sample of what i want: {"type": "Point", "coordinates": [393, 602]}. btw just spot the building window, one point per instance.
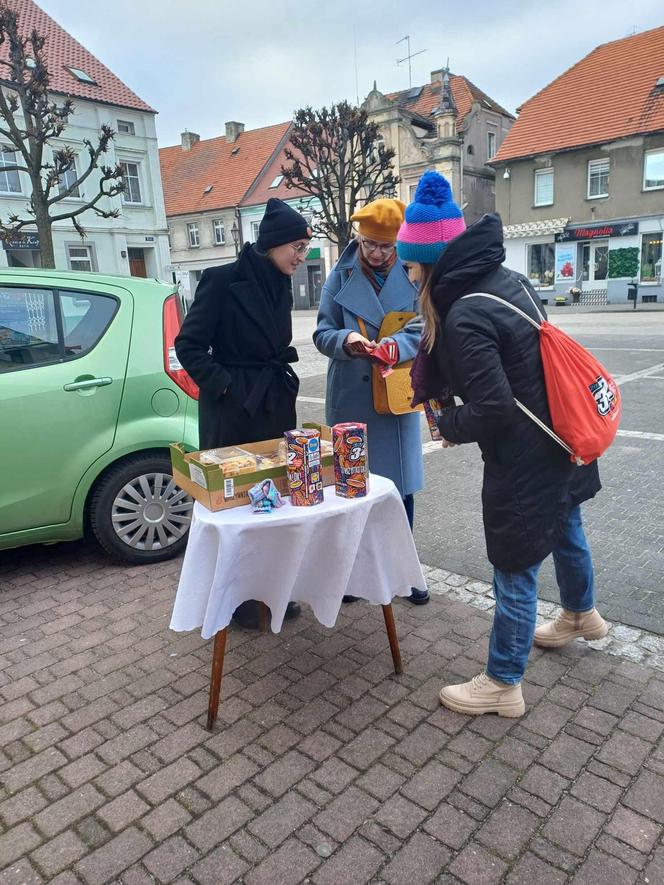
{"type": "Point", "coordinates": [126, 127]}
{"type": "Point", "coordinates": [411, 192]}
{"type": "Point", "coordinates": [653, 170]}
{"type": "Point", "coordinates": [219, 232]}
{"type": "Point", "coordinates": [598, 178]}
{"type": "Point", "coordinates": [254, 231]}
{"type": "Point", "coordinates": [541, 261]}
{"type": "Point", "coordinates": [651, 257]}
{"type": "Point", "coordinates": [132, 191]}
{"type": "Point", "coordinates": [544, 187]}
{"type": "Point", "coordinates": [83, 77]}
{"type": "Point", "coordinates": [67, 179]}
{"type": "Point", "coordinates": [192, 233]}
{"type": "Point", "coordinates": [79, 258]}
{"type": "Point", "coordinates": [277, 181]}
{"type": "Point", "coordinates": [490, 145]}
{"type": "Point", "coordinates": [9, 181]}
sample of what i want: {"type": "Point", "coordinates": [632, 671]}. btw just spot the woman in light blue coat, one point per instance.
{"type": "Point", "coordinates": [367, 282]}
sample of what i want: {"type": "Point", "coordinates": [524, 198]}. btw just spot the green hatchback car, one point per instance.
{"type": "Point", "coordinates": [91, 395]}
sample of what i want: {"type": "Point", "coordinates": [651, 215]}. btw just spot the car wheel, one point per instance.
{"type": "Point", "coordinates": [138, 513]}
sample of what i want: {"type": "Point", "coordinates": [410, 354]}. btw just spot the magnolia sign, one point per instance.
{"type": "Point", "coordinates": [598, 231]}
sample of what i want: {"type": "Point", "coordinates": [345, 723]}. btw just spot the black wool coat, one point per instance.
{"type": "Point", "coordinates": [489, 355]}
{"type": "Point", "coordinates": [235, 343]}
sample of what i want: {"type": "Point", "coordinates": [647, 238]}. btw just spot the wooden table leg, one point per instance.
{"type": "Point", "coordinates": [215, 678]}
{"type": "Point", "coordinates": [388, 614]}
{"type": "Point", "coordinates": [263, 613]}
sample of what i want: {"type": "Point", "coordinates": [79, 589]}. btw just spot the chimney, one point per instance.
{"type": "Point", "coordinates": [189, 139]}
{"type": "Point", "coordinates": [233, 129]}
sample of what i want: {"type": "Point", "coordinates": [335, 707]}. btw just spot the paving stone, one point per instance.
{"type": "Point", "coordinates": [284, 772]}
{"type": "Point", "coordinates": [544, 783]}
{"type": "Point", "coordinates": [531, 869]}
{"type": "Point", "coordinates": [613, 698]}
{"type": "Point", "coordinates": [22, 806]}
{"type": "Point", "coordinates": [165, 820]}
{"type": "Point", "coordinates": [356, 861]}
{"type": "Point", "coordinates": [600, 869]}
{"type": "Point", "coordinates": [278, 821]}
{"type": "Point", "coordinates": [567, 755]}
{"type": "Point", "coordinates": [107, 862]}
{"type": "Point", "coordinates": [420, 860]}
{"type": "Point", "coordinates": [573, 825]}
{"type": "Point", "coordinates": [646, 796]}
{"type": "Point", "coordinates": [346, 813]}
{"type": "Point", "coordinates": [515, 753]}
{"type": "Point", "coordinates": [218, 823]}
{"type": "Point", "coordinates": [475, 866]}
{"type": "Point", "coordinates": [159, 786]}
{"type": "Point", "coordinates": [431, 785]}
{"type": "Point", "coordinates": [654, 872]}
{"type": "Point", "coordinates": [58, 854]}
{"type": "Point", "coordinates": [450, 826]}
{"type": "Point", "coordinates": [421, 744]}
{"type": "Point", "coordinates": [596, 791]}
{"type": "Point", "coordinates": [400, 816]}
{"type": "Point", "coordinates": [624, 751]}
{"type": "Point", "coordinates": [380, 781]}
{"type": "Point", "coordinates": [221, 867]}
{"type": "Point", "coordinates": [366, 748]}
{"type": "Point", "coordinates": [122, 811]}
{"type": "Point", "coordinates": [289, 865]}
{"type": "Point", "coordinates": [546, 719]}
{"type": "Point", "coordinates": [334, 775]}
{"type": "Point", "coordinates": [617, 848]}
{"type": "Point", "coordinates": [489, 782]}
{"type": "Point", "coordinates": [508, 830]}
{"type": "Point", "coordinates": [172, 857]}
{"type": "Point", "coordinates": [62, 814]}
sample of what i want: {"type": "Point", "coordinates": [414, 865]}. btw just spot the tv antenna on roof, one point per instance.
{"type": "Point", "coordinates": [408, 58]}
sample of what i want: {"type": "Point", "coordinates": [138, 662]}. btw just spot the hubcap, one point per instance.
{"type": "Point", "coordinates": [151, 512]}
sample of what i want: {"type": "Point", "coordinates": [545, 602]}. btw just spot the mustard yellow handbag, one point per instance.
{"type": "Point", "coordinates": [392, 395]}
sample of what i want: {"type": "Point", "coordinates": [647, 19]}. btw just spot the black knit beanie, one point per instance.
{"type": "Point", "coordinates": [280, 225]}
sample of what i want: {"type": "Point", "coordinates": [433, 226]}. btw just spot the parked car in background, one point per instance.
{"type": "Point", "coordinates": [91, 395]}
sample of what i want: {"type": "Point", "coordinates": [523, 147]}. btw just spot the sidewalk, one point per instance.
{"type": "Point", "coordinates": [323, 766]}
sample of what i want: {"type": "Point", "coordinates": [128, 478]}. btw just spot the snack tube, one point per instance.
{"type": "Point", "coordinates": [351, 465]}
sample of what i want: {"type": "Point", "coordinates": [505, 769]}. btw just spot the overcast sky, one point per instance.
{"type": "Point", "coordinates": [202, 62]}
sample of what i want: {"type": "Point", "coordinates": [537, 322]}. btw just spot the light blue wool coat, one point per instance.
{"type": "Point", "coordinates": [395, 447]}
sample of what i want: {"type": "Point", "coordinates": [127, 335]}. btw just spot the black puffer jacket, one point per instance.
{"type": "Point", "coordinates": [489, 355]}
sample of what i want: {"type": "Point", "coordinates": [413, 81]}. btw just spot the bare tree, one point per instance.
{"type": "Point", "coordinates": [338, 157]}
{"type": "Point", "coordinates": [30, 120]}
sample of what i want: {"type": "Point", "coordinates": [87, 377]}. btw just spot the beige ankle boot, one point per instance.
{"type": "Point", "coordinates": [569, 626]}
{"type": "Point", "coordinates": [484, 695]}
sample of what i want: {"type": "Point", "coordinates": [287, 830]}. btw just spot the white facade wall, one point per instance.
{"type": "Point", "coordinates": [139, 226]}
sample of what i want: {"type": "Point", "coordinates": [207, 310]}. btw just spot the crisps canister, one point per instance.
{"type": "Point", "coordinates": [351, 463]}
{"type": "Point", "coordinates": [303, 467]}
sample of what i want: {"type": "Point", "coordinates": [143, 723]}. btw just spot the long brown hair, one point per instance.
{"type": "Point", "coordinates": [427, 308]}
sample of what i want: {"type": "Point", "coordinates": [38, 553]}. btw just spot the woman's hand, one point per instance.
{"type": "Point", "coordinates": [357, 345]}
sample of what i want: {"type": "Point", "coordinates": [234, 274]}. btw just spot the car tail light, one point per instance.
{"type": "Point", "coordinates": [172, 366]}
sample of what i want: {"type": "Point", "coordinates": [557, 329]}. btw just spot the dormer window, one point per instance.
{"type": "Point", "coordinates": [82, 77]}
{"type": "Point", "coordinates": [277, 181]}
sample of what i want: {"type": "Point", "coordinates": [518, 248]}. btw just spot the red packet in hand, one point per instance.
{"type": "Point", "coordinates": [360, 347]}
{"type": "Point", "coordinates": [386, 355]}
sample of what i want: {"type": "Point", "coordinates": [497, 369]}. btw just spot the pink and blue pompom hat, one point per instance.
{"type": "Point", "coordinates": [432, 220]}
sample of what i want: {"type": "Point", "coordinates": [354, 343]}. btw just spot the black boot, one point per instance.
{"type": "Point", "coordinates": [247, 614]}
{"type": "Point", "coordinates": [418, 597]}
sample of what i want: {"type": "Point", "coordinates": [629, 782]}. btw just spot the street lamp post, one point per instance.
{"type": "Point", "coordinates": [235, 233]}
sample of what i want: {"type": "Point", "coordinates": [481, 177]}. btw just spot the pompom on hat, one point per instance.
{"type": "Point", "coordinates": [381, 219]}
{"type": "Point", "coordinates": [432, 220]}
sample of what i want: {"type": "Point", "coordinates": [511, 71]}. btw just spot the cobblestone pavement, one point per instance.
{"type": "Point", "coordinates": [323, 767]}
{"type": "Point", "coordinates": [625, 523]}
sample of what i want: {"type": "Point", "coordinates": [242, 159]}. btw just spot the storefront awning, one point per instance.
{"type": "Point", "coordinates": [546, 227]}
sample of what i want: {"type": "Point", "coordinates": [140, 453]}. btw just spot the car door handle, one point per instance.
{"type": "Point", "coordinates": [87, 383]}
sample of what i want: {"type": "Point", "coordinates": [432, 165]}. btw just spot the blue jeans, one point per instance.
{"type": "Point", "coordinates": [515, 616]}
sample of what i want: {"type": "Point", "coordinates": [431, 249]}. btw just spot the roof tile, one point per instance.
{"type": "Point", "coordinates": [214, 161]}
{"type": "Point", "coordinates": [609, 94]}
{"type": "Point", "coordinates": [463, 91]}
{"type": "Point", "coordinates": [63, 51]}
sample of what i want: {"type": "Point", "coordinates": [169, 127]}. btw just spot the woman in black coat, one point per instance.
{"type": "Point", "coordinates": [486, 354]}
{"type": "Point", "coordinates": [235, 343]}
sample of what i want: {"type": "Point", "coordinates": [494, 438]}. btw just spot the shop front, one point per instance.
{"type": "Point", "coordinates": [22, 250]}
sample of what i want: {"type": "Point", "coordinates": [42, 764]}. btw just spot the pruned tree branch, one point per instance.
{"type": "Point", "coordinates": [335, 157]}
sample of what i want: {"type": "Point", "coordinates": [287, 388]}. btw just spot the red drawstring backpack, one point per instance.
{"type": "Point", "coordinates": [584, 400]}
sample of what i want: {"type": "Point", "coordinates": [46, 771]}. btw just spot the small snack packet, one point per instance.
{"type": "Point", "coordinates": [265, 497]}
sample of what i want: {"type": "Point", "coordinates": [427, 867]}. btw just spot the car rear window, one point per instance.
{"type": "Point", "coordinates": [85, 318]}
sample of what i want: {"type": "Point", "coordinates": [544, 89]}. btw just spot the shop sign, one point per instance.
{"type": "Point", "coordinates": [565, 264]}
{"type": "Point", "coordinates": [598, 231]}
{"type": "Point", "coordinates": [21, 241]}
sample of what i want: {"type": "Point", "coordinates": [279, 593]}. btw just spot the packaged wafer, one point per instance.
{"type": "Point", "coordinates": [351, 464]}
{"type": "Point", "coordinates": [433, 409]}
{"type": "Point", "coordinates": [303, 467]}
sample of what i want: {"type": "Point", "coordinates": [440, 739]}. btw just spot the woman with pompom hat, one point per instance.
{"type": "Point", "coordinates": [484, 352]}
{"type": "Point", "coordinates": [367, 282]}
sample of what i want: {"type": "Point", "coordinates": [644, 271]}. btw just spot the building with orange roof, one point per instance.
{"type": "Point", "coordinates": [450, 125]}
{"type": "Point", "coordinates": [216, 190]}
{"type": "Point", "coordinates": [580, 177]}
{"type": "Point", "coordinates": [134, 243]}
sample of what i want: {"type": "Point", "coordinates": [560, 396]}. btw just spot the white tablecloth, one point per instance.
{"type": "Point", "coordinates": [315, 555]}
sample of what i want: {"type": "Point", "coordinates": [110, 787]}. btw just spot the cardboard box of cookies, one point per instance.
{"type": "Point", "coordinates": [221, 478]}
